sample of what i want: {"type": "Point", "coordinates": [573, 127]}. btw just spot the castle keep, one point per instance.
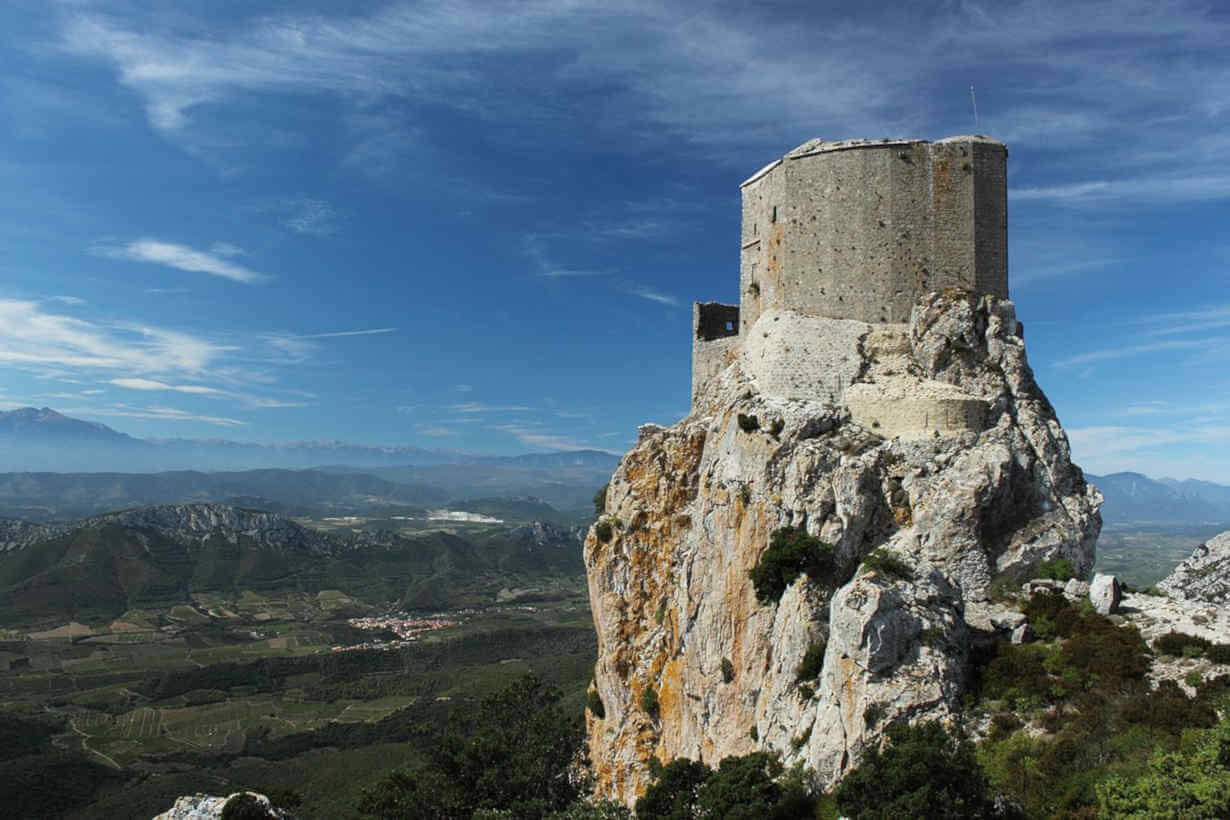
{"type": "Point", "coordinates": [839, 241]}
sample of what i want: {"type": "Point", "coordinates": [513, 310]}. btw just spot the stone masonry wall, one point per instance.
{"type": "Point", "coordinates": [861, 229]}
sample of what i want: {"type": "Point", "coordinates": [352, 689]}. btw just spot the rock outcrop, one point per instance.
{"type": "Point", "coordinates": [1205, 575]}
{"type": "Point", "coordinates": [961, 501]}
{"type": "Point", "coordinates": [208, 807]}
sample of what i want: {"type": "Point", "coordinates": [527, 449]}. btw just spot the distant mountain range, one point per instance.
{"type": "Point", "coordinates": [1132, 498]}
{"type": "Point", "coordinates": [42, 440]}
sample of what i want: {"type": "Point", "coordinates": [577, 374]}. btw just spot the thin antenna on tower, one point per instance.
{"type": "Point", "coordinates": [974, 101]}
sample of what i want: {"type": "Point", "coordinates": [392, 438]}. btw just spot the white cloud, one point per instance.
{"type": "Point", "coordinates": [184, 258]}
{"type": "Point", "coordinates": [68, 300]}
{"type": "Point", "coordinates": [30, 336]}
{"type": "Point", "coordinates": [436, 432]}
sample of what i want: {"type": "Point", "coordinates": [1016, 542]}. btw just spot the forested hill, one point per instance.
{"type": "Point", "coordinates": [100, 567]}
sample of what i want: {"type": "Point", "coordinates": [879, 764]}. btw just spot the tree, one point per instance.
{"type": "Point", "coordinates": [513, 755]}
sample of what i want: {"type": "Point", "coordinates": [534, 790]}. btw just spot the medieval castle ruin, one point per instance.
{"type": "Point", "coordinates": [838, 236]}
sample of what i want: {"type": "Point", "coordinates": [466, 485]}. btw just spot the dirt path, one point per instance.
{"type": "Point", "coordinates": [85, 746]}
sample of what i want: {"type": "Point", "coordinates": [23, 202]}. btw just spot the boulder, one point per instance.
{"type": "Point", "coordinates": [1105, 594]}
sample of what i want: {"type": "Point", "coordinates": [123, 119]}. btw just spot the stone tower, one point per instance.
{"type": "Point", "coordinates": [855, 230]}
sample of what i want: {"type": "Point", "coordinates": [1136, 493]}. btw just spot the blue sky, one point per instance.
{"type": "Point", "coordinates": [480, 225]}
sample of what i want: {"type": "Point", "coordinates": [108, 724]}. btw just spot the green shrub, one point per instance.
{"type": "Point", "coordinates": [1193, 782]}
{"type": "Point", "coordinates": [775, 429]}
{"type": "Point", "coordinates": [873, 714]}
{"type": "Point", "coordinates": [1051, 615]}
{"type": "Point", "coordinates": [1017, 674]}
{"type": "Point", "coordinates": [596, 707]}
{"type": "Point", "coordinates": [924, 771]}
{"type": "Point", "coordinates": [745, 494]}
{"type": "Point", "coordinates": [791, 551]}
{"type": "Point", "coordinates": [1004, 589]}
{"type": "Point", "coordinates": [281, 798]}
{"type": "Point", "coordinates": [244, 806]}
{"type": "Point", "coordinates": [813, 661]}
{"type": "Point", "coordinates": [1057, 569]}
{"type": "Point", "coordinates": [728, 670]}
{"type": "Point", "coordinates": [581, 810]}
{"type": "Point", "coordinates": [887, 564]}
{"type": "Point", "coordinates": [1167, 708]}
{"type": "Point", "coordinates": [603, 531]}
{"type": "Point", "coordinates": [1181, 645]}
{"type": "Point", "coordinates": [600, 500]}
{"type": "Point", "coordinates": [748, 423]}
{"type": "Point", "coordinates": [649, 702]}
{"type": "Point", "coordinates": [1218, 653]}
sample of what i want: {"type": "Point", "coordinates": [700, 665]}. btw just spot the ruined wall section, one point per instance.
{"type": "Point", "coordinates": [715, 336]}
{"type": "Point", "coordinates": [860, 230]}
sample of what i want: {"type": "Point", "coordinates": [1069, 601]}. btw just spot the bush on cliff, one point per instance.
{"type": "Point", "coordinates": [791, 551]}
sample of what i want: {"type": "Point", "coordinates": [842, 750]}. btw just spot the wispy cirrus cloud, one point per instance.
{"type": "Point", "coordinates": [1126, 351]}
{"type": "Point", "coordinates": [700, 78]}
{"type": "Point", "coordinates": [150, 384]}
{"type": "Point", "coordinates": [483, 407]}
{"type": "Point", "coordinates": [182, 257]}
{"type": "Point", "coordinates": [542, 264]}
{"type": "Point", "coordinates": [156, 412]}
{"type": "Point", "coordinates": [652, 294]}
{"type": "Point", "coordinates": [313, 217]}
{"type": "Point", "coordinates": [535, 437]}
{"type": "Point", "coordinates": [376, 331]}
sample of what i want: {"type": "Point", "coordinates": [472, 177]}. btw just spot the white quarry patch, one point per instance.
{"type": "Point", "coordinates": [459, 515]}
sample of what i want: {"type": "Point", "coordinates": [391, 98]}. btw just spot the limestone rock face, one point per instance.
{"type": "Point", "coordinates": [1205, 575]}
{"type": "Point", "coordinates": [692, 507]}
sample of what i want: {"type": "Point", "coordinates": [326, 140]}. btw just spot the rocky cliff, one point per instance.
{"type": "Point", "coordinates": [1205, 575]}
{"type": "Point", "coordinates": [691, 664]}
